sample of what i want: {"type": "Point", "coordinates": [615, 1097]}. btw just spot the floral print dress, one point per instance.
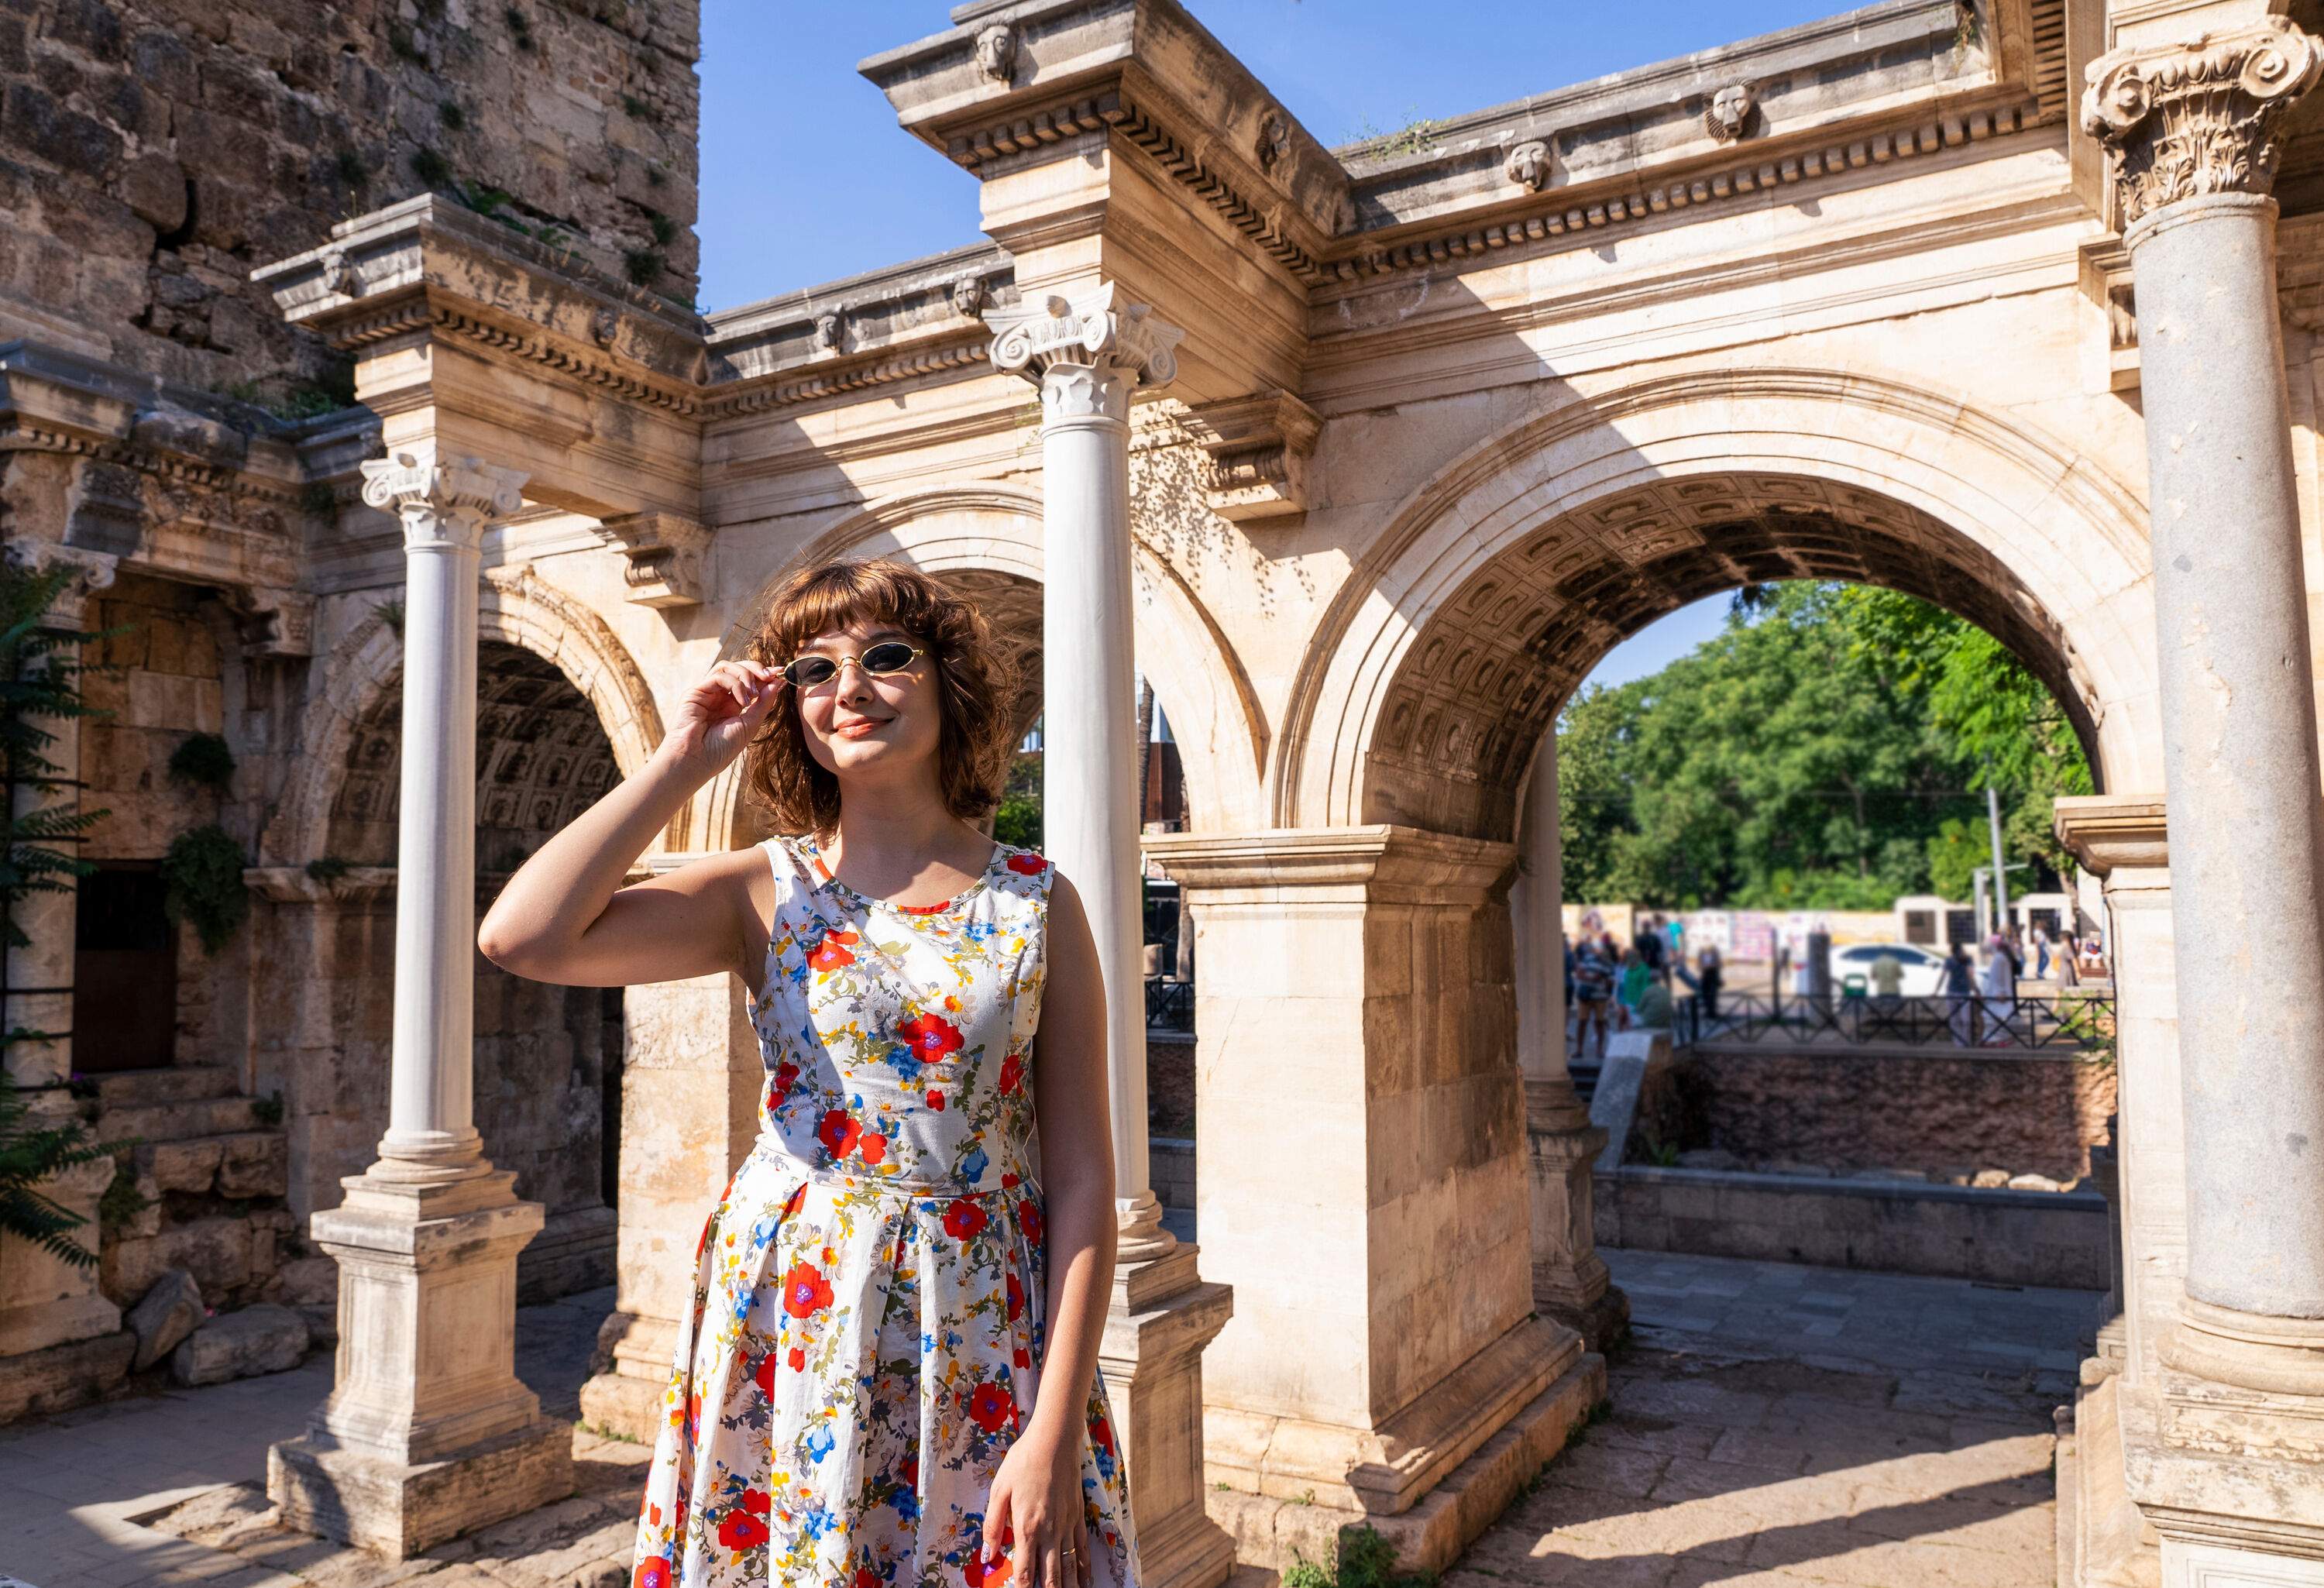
{"type": "Point", "coordinates": [867, 1330]}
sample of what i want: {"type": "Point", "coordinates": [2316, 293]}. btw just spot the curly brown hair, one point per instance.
{"type": "Point", "coordinates": [974, 687]}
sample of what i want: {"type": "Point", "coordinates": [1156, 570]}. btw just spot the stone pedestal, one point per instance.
{"type": "Point", "coordinates": [1160, 1318]}
{"type": "Point", "coordinates": [1569, 1281]}
{"type": "Point", "coordinates": [1386, 1363]}
{"type": "Point", "coordinates": [417, 1446]}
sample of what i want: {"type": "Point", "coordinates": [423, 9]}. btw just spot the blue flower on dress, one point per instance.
{"type": "Point", "coordinates": [907, 1503]}
{"type": "Point", "coordinates": [906, 1062]}
{"type": "Point", "coordinates": [971, 1167]}
{"type": "Point", "coordinates": [819, 1443]}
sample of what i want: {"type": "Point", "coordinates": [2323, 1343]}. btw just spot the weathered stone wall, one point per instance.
{"type": "Point", "coordinates": [1938, 1110]}
{"type": "Point", "coordinates": [153, 152]}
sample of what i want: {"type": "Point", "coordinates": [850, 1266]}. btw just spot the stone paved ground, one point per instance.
{"type": "Point", "coordinates": [1772, 1427]}
{"type": "Point", "coordinates": [1776, 1426]}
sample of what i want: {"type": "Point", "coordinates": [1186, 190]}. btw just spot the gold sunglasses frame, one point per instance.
{"type": "Point", "coordinates": [839, 662]}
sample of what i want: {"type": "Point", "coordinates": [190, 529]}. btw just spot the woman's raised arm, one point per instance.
{"type": "Point", "coordinates": [565, 916]}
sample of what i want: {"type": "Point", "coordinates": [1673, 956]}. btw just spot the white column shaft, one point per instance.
{"type": "Point", "coordinates": [1537, 916]}
{"type": "Point", "coordinates": [1089, 732]}
{"type": "Point", "coordinates": [431, 1109]}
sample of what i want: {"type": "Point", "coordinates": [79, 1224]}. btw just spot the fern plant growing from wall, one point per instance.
{"type": "Point", "coordinates": [41, 671]}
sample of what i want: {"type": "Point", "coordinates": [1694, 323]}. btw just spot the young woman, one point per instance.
{"type": "Point", "coordinates": [890, 1377]}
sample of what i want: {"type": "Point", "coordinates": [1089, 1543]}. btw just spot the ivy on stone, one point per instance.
{"type": "Point", "coordinates": [204, 871]}
{"type": "Point", "coordinates": [205, 760]}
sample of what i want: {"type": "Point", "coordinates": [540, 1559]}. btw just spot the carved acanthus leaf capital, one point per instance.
{"type": "Point", "coordinates": [442, 502]}
{"type": "Point", "coordinates": [2181, 121]}
{"type": "Point", "coordinates": [1087, 352]}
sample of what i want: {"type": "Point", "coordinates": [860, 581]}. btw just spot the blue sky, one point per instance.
{"type": "Point", "coordinates": [805, 177]}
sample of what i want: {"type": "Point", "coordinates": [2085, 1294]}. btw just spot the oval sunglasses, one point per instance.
{"type": "Point", "coordinates": [889, 656]}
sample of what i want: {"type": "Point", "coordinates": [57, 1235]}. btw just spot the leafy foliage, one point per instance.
{"type": "Point", "coordinates": [204, 872]}
{"type": "Point", "coordinates": [32, 1155]}
{"type": "Point", "coordinates": [1364, 1560]}
{"type": "Point", "coordinates": [1827, 750]}
{"type": "Point", "coordinates": [205, 760]}
{"type": "Point", "coordinates": [1018, 820]}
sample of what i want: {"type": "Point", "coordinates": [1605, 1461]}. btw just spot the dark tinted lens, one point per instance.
{"type": "Point", "coordinates": [808, 671]}
{"type": "Point", "coordinates": [890, 656]}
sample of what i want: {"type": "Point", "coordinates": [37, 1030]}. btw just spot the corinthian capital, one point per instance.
{"type": "Point", "coordinates": [2206, 117]}
{"type": "Point", "coordinates": [1086, 353]}
{"type": "Point", "coordinates": [443, 503]}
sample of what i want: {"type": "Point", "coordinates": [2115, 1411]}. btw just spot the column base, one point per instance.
{"type": "Point", "coordinates": [2102, 1541]}
{"type": "Point", "coordinates": [2231, 1478]}
{"type": "Point", "coordinates": [400, 1509]}
{"type": "Point", "coordinates": [1160, 1318]}
{"type": "Point", "coordinates": [1277, 1531]}
{"type": "Point", "coordinates": [2279, 1356]}
{"type": "Point", "coordinates": [625, 1397]}
{"type": "Point", "coordinates": [1569, 1281]}
{"type": "Point", "coordinates": [1385, 1469]}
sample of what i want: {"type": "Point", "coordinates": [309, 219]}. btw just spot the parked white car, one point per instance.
{"type": "Point", "coordinates": [1924, 972]}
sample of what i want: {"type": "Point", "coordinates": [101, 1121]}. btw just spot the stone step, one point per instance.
{"type": "Point", "coordinates": [178, 1083]}
{"type": "Point", "coordinates": [180, 1120]}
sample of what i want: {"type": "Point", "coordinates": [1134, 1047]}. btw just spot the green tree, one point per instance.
{"type": "Point", "coordinates": [1822, 751]}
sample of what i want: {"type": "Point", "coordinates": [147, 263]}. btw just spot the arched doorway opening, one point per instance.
{"type": "Point", "coordinates": [548, 1058]}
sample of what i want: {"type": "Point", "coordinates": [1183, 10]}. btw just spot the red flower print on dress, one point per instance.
{"type": "Point", "coordinates": [806, 1292]}
{"type": "Point", "coordinates": [786, 1073]}
{"type": "Point", "coordinates": [758, 1501]}
{"type": "Point", "coordinates": [935, 1101]}
{"type": "Point", "coordinates": [909, 1471]}
{"type": "Point", "coordinates": [831, 953]}
{"type": "Point", "coordinates": [978, 1573]}
{"type": "Point", "coordinates": [989, 1406]}
{"type": "Point", "coordinates": [740, 1531]}
{"type": "Point", "coordinates": [765, 1376]}
{"type": "Point", "coordinates": [838, 1132]}
{"type": "Point", "coordinates": [1101, 1434]}
{"type": "Point", "coordinates": [653, 1572]}
{"type": "Point", "coordinates": [865, 1577]}
{"type": "Point", "coordinates": [1022, 1357]}
{"type": "Point", "coordinates": [1028, 1216]}
{"type": "Point", "coordinates": [1016, 1297]}
{"type": "Point", "coordinates": [798, 1359]}
{"type": "Point", "coordinates": [964, 1219]}
{"type": "Point", "coordinates": [1028, 866]}
{"type": "Point", "coordinates": [1012, 1070]}
{"type": "Point", "coordinates": [875, 1149]}
{"type": "Point", "coordinates": [931, 1037]}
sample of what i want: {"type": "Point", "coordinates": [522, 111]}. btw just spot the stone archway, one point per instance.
{"type": "Point", "coordinates": [1435, 669]}
{"type": "Point", "coordinates": [987, 539]}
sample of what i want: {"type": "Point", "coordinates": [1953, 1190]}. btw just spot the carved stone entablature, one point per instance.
{"type": "Point", "coordinates": [1527, 164]}
{"type": "Point", "coordinates": [996, 51]}
{"type": "Point", "coordinates": [444, 505]}
{"type": "Point", "coordinates": [1730, 115]}
{"type": "Point", "coordinates": [2184, 120]}
{"type": "Point", "coordinates": [1258, 449]}
{"type": "Point", "coordinates": [275, 622]}
{"type": "Point", "coordinates": [1086, 353]}
{"type": "Point", "coordinates": [668, 557]}
{"type": "Point", "coordinates": [1273, 142]}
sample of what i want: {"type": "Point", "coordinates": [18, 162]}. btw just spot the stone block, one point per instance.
{"type": "Point", "coordinates": [241, 1346]}
{"type": "Point", "coordinates": [154, 187]}
{"type": "Point", "coordinates": [171, 1309]}
{"type": "Point", "coordinates": [61, 1377]}
{"type": "Point", "coordinates": [309, 1281]}
{"type": "Point", "coordinates": [400, 1509]}
{"type": "Point", "coordinates": [183, 1166]}
{"type": "Point", "coordinates": [253, 1163]}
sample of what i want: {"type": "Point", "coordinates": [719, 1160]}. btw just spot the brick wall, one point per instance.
{"type": "Point", "coordinates": [1937, 1110]}
{"type": "Point", "coordinates": [153, 152]}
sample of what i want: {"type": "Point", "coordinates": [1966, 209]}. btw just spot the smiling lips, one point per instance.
{"type": "Point", "coordinates": [857, 730]}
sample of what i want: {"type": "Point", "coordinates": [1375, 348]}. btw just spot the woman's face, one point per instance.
{"type": "Point", "coordinates": [861, 725]}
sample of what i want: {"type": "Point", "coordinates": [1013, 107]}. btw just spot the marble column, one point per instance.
{"type": "Point", "coordinates": [1089, 353]}
{"type": "Point", "coordinates": [429, 1433]}
{"type": "Point", "coordinates": [2220, 1451]}
{"type": "Point", "coordinates": [1569, 1281]}
{"type": "Point", "coordinates": [2195, 132]}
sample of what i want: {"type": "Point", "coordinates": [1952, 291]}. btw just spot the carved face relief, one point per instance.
{"type": "Point", "coordinates": [996, 51]}
{"type": "Point", "coordinates": [827, 327]}
{"type": "Point", "coordinates": [1730, 111]}
{"type": "Point", "coordinates": [338, 276]}
{"type": "Point", "coordinates": [602, 327]}
{"type": "Point", "coordinates": [1527, 164]}
{"type": "Point", "coordinates": [968, 297]}
{"type": "Point", "coordinates": [1274, 140]}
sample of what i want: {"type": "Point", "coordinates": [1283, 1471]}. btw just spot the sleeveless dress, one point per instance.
{"type": "Point", "coordinates": [868, 1322]}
